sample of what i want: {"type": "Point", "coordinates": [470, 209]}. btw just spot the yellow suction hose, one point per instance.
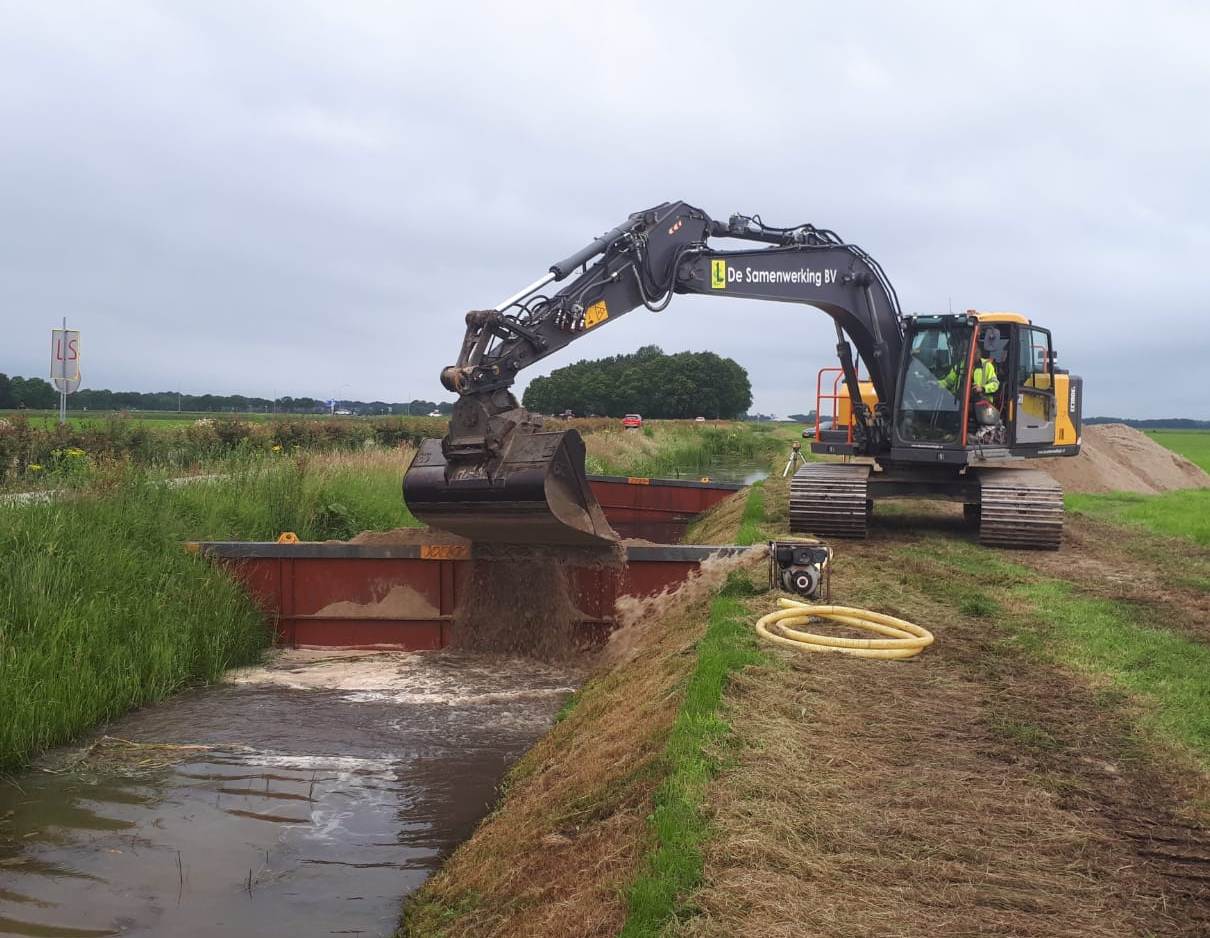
{"type": "Point", "coordinates": [906, 639]}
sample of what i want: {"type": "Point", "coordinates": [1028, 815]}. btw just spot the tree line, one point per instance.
{"type": "Point", "coordinates": [684, 385]}
{"type": "Point", "coordinates": [38, 394]}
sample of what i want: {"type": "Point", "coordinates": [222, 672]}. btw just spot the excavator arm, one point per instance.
{"type": "Point", "coordinates": [498, 475]}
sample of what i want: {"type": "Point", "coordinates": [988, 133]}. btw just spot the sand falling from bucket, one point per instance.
{"type": "Point", "coordinates": [520, 599]}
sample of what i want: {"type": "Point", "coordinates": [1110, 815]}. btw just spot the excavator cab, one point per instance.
{"type": "Point", "coordinates": [1035, 407]}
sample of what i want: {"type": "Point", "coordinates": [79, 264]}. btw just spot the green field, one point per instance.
{"type": "Point", "coordinates": [1192, 444]}
{"type": "Point", "coordinates": [1184, 513]}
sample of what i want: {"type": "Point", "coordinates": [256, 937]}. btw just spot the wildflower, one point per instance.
{"type": "Point", "coordinates": [277, 447]}
{"type": "Point", "coordinates": [35, 467]}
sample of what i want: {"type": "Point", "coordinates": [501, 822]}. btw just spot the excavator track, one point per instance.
{"type": "Point", "coordinates": [829, 499]}
{"type": "Point", "coordinates": [1020, 508]}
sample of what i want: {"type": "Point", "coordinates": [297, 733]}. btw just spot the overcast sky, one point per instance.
{"type": "Point", "coordinates": [304, 199]}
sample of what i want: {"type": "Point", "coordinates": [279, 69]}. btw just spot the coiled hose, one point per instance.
{"type": "Point", "coordinates": [906, 639]}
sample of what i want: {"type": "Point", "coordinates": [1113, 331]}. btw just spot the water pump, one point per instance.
{"type": "Point", "coordinates": [800, 566]}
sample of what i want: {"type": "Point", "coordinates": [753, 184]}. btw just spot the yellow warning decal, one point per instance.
{"type": "Point", "coordinates": [445, 552]}
{"type": "Point", "coordinates": [596, 314]}
{"type": "Point", "coordinates": [718, 274]}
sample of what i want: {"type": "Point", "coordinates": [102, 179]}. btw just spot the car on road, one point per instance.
{"type": "Point", "coordinates": [632, 421]}
{"type": "Point", "coordinates": [699, 419]}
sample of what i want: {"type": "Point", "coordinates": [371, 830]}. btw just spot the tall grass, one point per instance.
{"type": "Point", "coordinates": [678, 448]}
{"type": "Point", "coordinates": [101, 609]}
{"type": "Point", "coordinates": [32, 454]}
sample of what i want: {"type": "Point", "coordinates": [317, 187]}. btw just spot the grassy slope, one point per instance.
{"type": "Point", "coordinates": [1176, 514]}
{"type": "Point", "coordinates": [576, 827]}
{"type": "Point", "coordinates": [101, 610]}
{"type": "Point", "coordinates": [674, 865]}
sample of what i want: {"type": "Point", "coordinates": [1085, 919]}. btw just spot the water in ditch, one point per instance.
{"type": "Point", "coordinates": [308, 797]}
{"type": "Point", "coordinates": [742, 469]}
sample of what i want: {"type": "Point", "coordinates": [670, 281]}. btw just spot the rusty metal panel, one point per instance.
{"type": "Point", "coordinates": [656, 509]}
{"type": "Point", "coordinates": [320, 632]}
{"type": "Point", "coordinates": [326, 595]}
{"type": "Point", "coordinates": [367, 588]}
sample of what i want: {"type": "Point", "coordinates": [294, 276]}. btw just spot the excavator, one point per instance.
{"type": "Point", "coordinates": [914, 426]}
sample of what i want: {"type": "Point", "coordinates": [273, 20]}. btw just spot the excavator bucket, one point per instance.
{"type": "Point", "coordinates": [536, 493]}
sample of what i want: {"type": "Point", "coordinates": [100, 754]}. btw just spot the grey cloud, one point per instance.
{"type": "Point", "coordinates": [274, 198]}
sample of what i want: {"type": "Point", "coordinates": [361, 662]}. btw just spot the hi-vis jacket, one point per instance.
{"type": "Point", "coordinates": [984, 379]}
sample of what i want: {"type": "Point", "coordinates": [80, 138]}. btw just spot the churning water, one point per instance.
{"type": "Point", "coordinates": [323, 788]}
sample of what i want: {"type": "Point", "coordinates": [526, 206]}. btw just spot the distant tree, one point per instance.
{"type": "Point", "coordinates": [687, 384]}
{"type": "Point", "coordinates": [34, 393]}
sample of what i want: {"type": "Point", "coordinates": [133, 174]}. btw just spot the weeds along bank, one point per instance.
{"type": "Point", "coordinates": [672, 448]}
{"type": "Point", "coordinates": [33, 451]}
{"type": "Point", "coordinates": [101, 609]}
{"type": "Point", "coordinates": [40, 452]}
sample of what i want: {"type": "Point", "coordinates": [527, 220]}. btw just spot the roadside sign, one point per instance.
{"type": "Point", "coordinates": [65, 360]}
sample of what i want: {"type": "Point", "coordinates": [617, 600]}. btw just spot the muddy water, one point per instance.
{"type": "Point", "coordinates": [325, 787]}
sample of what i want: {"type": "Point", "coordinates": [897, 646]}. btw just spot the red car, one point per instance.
{"type": "Point", "coordinates": [632, 421]}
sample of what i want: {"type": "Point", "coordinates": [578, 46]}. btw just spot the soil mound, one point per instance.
{"type": "Point", "coordinates": [1118, 458]}
{"type": "Point", "coordinates": [404, 536]}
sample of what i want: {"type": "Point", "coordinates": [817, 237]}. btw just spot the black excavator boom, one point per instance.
{"type": "Point", "coordinates": [500, 476]}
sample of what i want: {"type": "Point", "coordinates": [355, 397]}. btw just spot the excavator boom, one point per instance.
{"type": "Point", "coordinates": [499, 476]}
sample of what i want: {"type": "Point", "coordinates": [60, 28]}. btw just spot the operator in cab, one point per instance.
{"type": "Point", "coordinates": [985, 383]}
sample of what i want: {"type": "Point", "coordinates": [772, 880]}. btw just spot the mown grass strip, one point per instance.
{"type": "Point", "coordinates": [674, 866]}
{"type": "Point", "coordinates": [1106, 637]}
{"type": "Point", "coordinates": [753, 517]}
{"type": "Point", "coordinates": [1102, 637]}
{"type": "Point", "coordinates": [1175, 514]}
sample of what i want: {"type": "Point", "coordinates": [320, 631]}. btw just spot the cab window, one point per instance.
{"type": "Point", "coordinates": [1033, 358]}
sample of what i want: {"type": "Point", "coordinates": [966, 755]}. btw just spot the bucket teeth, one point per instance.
{"type": "Point", "coordinates": [537, 493]}
{"type": "Point", "coordinates": [829, 500]}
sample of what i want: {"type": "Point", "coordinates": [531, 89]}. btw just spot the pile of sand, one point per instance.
{"type": "Point", "coordinates": [1118, 458]}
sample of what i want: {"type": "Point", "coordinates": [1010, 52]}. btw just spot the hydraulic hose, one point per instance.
{"type": "Point", "coordinates": [906, 639]}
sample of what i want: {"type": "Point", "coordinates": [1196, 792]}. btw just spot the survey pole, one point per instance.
{"type": "Point", "coordinates": [63, 377]}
